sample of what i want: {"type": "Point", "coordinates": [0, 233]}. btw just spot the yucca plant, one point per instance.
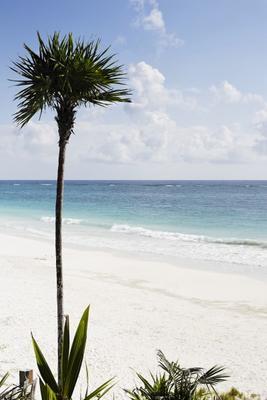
{"type": "Point", "coordinates": [177, 383]}
{"type": "Point", "coordinates": [72, 358]}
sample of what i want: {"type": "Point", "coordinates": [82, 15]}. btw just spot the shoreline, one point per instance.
{"type": "Point", "coordinates": [255, 272]}
{"type": "Point", "coordinates": [138, 305]}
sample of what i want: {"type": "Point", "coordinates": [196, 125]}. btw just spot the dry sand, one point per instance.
{"type": "Point", "coordinates": [137, 306]}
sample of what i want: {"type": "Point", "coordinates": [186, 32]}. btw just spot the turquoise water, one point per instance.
{"type": "Point", "coordinates": [208, 220]}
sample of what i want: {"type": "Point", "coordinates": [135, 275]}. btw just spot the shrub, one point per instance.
{"type": "Point", "coordinates": [177, 383]}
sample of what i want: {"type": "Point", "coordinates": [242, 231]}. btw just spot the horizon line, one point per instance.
{"type": "Point", "coordinates": [135, 180]}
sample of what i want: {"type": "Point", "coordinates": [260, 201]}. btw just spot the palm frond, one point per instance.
{"type": "Point", "coordinates": [177, 383]}
{"type": "Point", "coordinates": [63, 71]}
{"type": "Point", "coordinates": [213, 376]}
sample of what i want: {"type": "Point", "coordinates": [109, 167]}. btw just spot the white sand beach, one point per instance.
{"type": "Point", "coordinates": [137, 306]}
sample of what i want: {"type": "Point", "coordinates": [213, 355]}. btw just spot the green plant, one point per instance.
{"type": "Point", "coordinates": [177, 383]}
{"type": "Point", "coordinates": [231, 394]}
{"type": "Point", "coordinates": [234, 394]}
{"type": "Point", "coordinates": [64, 75]}
{"type": "Point", "coordinates": [15, 392]}
{"type": "Point", "coordinates": [3, 379]}
{"type": "Point", "coordinates": [156, 389]}
{"type": "Point", "coordinates": [72, 358]}
{"type": "Point", "coordinates": [3, 389]}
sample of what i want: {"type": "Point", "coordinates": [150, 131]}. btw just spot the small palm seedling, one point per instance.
{"type": "Point", "coordinates": [72, 358]}
{"type": "Point", "coordinates": [156, 389]}
{"type": "Point", "coordinates": [177, 383]}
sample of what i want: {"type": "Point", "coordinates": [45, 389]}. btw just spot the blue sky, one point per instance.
{"type": "Point", "coordinates": [198, 74]}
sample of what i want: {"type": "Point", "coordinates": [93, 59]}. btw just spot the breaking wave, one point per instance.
{"type": "Point", "coordinates": [67, 221]}
{"type": "Point", "coordinates": [185, 237]}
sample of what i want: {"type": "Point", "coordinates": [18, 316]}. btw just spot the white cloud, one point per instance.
{"type": "Point", "coordinates": [150, 18]}
{"type": "Point", "coordinates": [252, 98]}
{"type": "Point", "coordinates": [149, 130]}
{"type": "Point", "coordinates": [260, 121]}
{"type": "Point", "coordinates": [152, 133]}
{"type": "Point", "coordinates": [260, 118]}
{"type": "Point", "coordinates": [159, 139]}
{"type": "Point", "coordinates": [40, 135]}
{"type": "Point", "coordinates": [120, 40]}
{"type": "Point", "coordinates": [37, 140]}
{"type": "Point", "coordinates": [170, 39]}
{"type": "Point", "coordinates": [223, 144]}
{"type": "Point", "coordinates": [138, 5]}
{"type": "Point", "coordinates": [228, 93]}
{"type": "Point", "coordinates": [154, 21]}
{"type": "Point", "coordinates": [151, 93]}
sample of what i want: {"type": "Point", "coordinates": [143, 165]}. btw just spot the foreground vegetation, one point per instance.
{"type": "Point", "coordinates": [176, 383]}
{"type": "Point", "coordinates": [173, 382]}
{"type": "Point", "coordinates": [72, 356]}
{"type": "Point", "coordinates": [15, 392]}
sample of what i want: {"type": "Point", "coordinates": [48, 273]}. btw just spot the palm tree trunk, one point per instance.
{"type": "Point", "coordinates": [58, 243]}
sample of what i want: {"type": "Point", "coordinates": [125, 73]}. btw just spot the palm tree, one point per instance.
{"type": "Point", "coordinates": [63, 75]}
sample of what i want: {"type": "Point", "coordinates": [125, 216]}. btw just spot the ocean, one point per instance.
{"type": "Point", "coordinates": [215, 221]}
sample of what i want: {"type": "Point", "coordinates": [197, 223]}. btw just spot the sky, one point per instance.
{"type": "Point", "coordinates": [198, 73]}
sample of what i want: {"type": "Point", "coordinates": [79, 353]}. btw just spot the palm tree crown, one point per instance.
{"type": "Point", "coordinates": [64, 75]}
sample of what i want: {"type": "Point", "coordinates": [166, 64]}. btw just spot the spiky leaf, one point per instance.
{"type": "Point", "coordinates": [3, 379]}
{"type": "Point", "coordinates": [65, 349]}
{"type": "Point", "coordinates": [43, 367]}
{"type": "Point", "coordinates": [46, 392]}
{"type": "Point", "coordinates": [76, 355]}
{"type": "Point", "coordinates": [101, 390]}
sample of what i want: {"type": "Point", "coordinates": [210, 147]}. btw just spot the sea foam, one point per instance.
{"type": "Point", "coordinates": [185, 237]}
{"type": "Point", "coordinates": [67, 221]}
